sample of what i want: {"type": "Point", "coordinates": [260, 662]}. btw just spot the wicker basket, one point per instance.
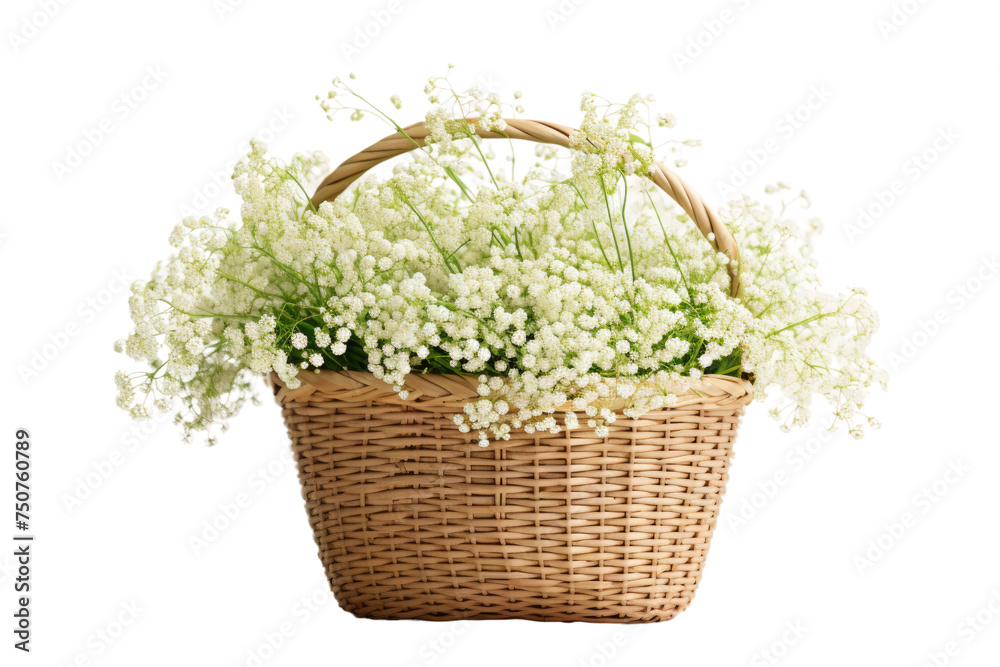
{"type": "Point", "coordinates": [414, 520]}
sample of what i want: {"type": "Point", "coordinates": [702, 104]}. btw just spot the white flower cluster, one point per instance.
{"type": "Point", "coordinates": [571, 295]}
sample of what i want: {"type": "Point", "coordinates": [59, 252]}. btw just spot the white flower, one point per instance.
{"type": "Point", "coordinates": [666, 120]}
{"type": "Point", "coordinates": [526, 281]}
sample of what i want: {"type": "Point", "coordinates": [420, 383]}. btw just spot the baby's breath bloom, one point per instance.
{"type": "Point", "coordinates": [572, 292]}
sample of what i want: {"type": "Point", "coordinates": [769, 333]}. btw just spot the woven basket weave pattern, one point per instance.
{"type": "Point", "coordinates": [414, 520]}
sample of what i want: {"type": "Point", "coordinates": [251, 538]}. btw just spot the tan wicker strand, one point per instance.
{"type": "Point", "coordinates": [414, 136]}
{"type": "Point", "coordinates": [414, 520]}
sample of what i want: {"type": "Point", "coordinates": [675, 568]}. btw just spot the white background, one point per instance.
{"type": "Point", "coordinates": [871, 550]}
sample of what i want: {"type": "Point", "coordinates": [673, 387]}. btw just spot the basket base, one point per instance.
{"type": "Point", "coordinates": [414, 520]}
{"type": "Point", "coordinates": [547, 616]}
{"type": "Point", "coordinates": [513, 604]}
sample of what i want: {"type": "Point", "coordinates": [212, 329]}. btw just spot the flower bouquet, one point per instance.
{"type": "Point", "coordinates": [512, 385]}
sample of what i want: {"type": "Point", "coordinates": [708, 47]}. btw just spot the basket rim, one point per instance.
{"type": "Point", "coordinates": [452, 386]}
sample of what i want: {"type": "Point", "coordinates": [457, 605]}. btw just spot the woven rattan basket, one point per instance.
{"type": "Point", "coordinates": [414, 520]}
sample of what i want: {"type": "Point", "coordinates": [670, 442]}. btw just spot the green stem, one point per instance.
{"type": "Point", "coordinates": [447, 262]}
{"type": "Point", "coordinates": [628, 238]}
{"type": "Point", "coordinates": [611, 223]}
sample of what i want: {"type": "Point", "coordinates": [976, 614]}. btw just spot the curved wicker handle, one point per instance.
{"type": "Point", "coordinates": [542, 132]}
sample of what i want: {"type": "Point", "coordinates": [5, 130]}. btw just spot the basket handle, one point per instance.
{"type": "Point", "coordinates": [542, 132]}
